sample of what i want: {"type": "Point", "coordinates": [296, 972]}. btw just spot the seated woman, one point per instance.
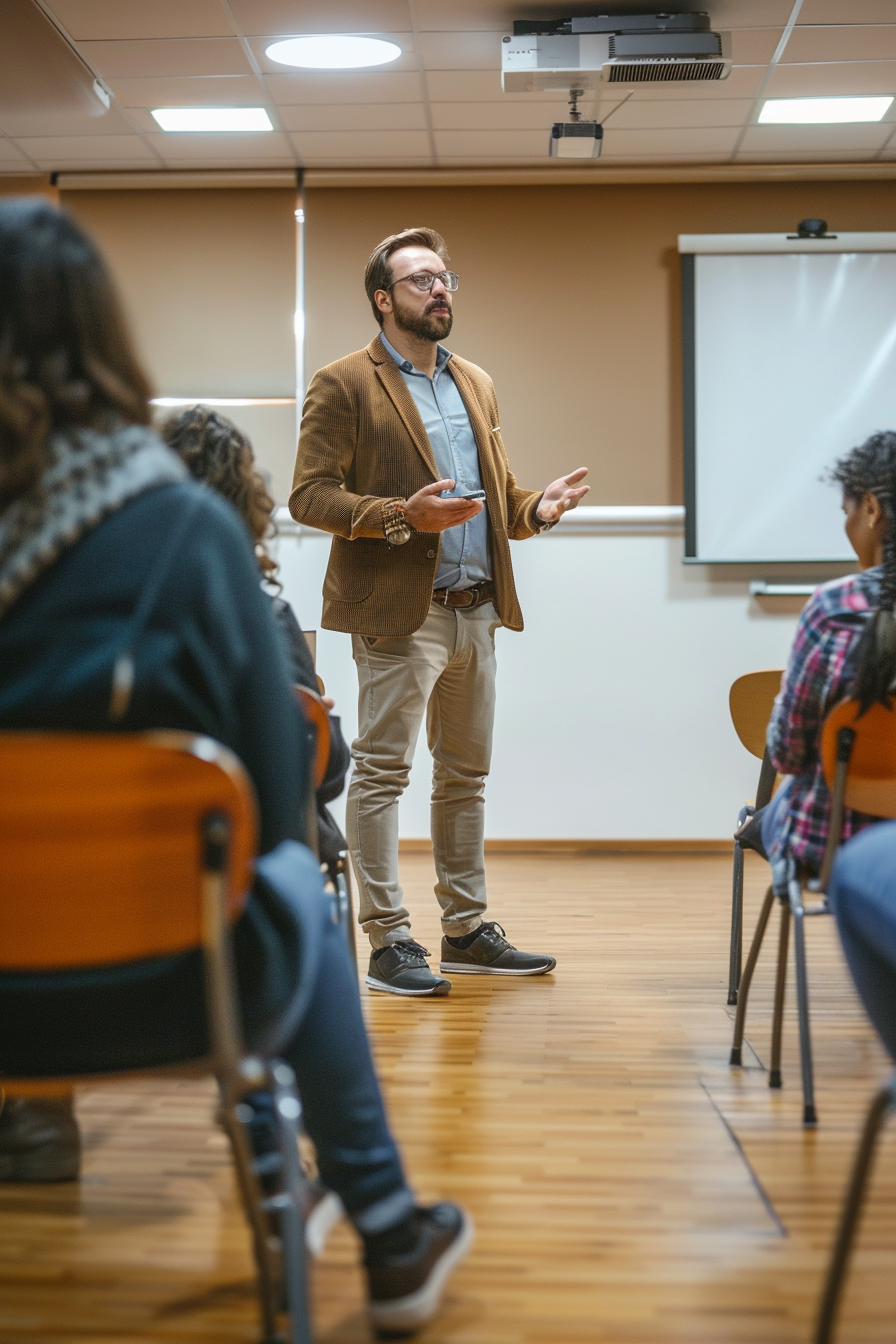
{"type": "Point", "coordinates": [96, 512]}
{"type": "Point", "coordinates": [216, 452]}
{"type": "Point", "coordinates": [845, 644]}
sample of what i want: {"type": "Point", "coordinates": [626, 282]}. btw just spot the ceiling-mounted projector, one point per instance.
{"type": "Point", "coordinates": [554, 54]}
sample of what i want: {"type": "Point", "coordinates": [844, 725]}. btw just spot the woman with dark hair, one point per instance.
{"type": "Point", "coordinates": [96, 513]}
{"type": "Point", "coordinates": [845, 644]}
{"type": "Point", "coordinates": [215, 452]}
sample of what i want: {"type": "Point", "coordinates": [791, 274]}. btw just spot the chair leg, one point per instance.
{"type": "Point", "coordinates": [737, 921]}
{"type": "Point", "coordinates": [810, 1116]}
{"type": "Point", "coordinates": [774, 1076]}
{"type": "Point", "coordinates": [849, 1216]}
{"type": "Point", "coordinates": [744, 989]}
{"type": "Point", "coordinates": [344, 901]}
{"type": "Point", "coordinates": [289, 1203]}
{"type": "Point", "coordinates": [235, 1116]}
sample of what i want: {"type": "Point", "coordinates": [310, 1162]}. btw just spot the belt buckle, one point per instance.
{"type": "Point", "coordinates": [471, 594]}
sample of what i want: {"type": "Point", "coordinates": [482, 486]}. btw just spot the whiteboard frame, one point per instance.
{"type": "Point", "coordinates": [690, 246]}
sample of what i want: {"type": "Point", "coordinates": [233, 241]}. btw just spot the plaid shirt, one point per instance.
{"type": "Point", "coordinates": [821, 667]}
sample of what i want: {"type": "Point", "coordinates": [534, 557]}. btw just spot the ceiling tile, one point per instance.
{"type": "Point", "coordinates": [872, 43]}
{"type": "Point", "coordinates": [680, 113]}
{"type": "Point", "coordinates": [829, 140]}
{"type": "Point", "coordinates": [288, 18]}
{"type": "Point", "coordinates": [729, 14]}
{"type": "Point", "coordinates": [803, 156]}
{"type": "Point", "coordinates": [754, 46]}
{"type": "Point", "coordinates": [406, 61]}
{"type": "Point", "coordinates": [336, 87]}
{"type": "Point", "coordinates": [188, 56]}
{"type": "Point", "coordinates": [805, 81]}
{"type": "Point", "coordinates": [219, 149]}
{"type": "Point", "coordinates": [673, 157]}
{"type": "Point", "coordinates": [10, 154]}
{"type": "Point", "coordinates": [460, 86]}
{"type": "Point", "coordinates": [462, 51]}
{"type": "Point", "coordinates": [355, 117]}
{"type": "Point", "coordinates": [87, 149]}
{"type": "Point", "coordinates": [329, 161]}
{"type": "Point", "coordinates": [204, 91]}
{"type": "Point", "coordinates": [705, 140]}
{"type": "Point", "coordinates": [856, 11]}
{"type": "Point", "coordinates": [497, 116]}
{"type": "Point", "coordinates": [361, 144]}
{"type": "Point", "coordinates": [33, 122]}
{"type": "Point", "coordinates": [470, 16]}
{"type": "Point", "coordinates": [493, 145]}
{"type": "Point", "coordinates": [86, 19]}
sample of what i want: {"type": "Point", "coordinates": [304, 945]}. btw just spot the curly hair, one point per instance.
{"type": "Point", "coordinates": [216, 452]}
{"type": "Point", "coordinates": [378, 271]}
{"type": "Point", "coordinates": [66, 359]}
{"type": "Point", "coordinates": [870, 469]}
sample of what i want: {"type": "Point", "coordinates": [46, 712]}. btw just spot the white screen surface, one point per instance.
{"type": "Point", "coordinates": [795, 363]}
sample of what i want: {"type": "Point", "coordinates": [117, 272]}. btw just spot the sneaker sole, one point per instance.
{"type": "Point", "coordinates": [438, 991]}
{"type": "Point", "coordinates": [456, 969]}
{"type": "Point", "coordinates": [409, 1313]}
{"type": "Point", "coordinates": [321, 1221]}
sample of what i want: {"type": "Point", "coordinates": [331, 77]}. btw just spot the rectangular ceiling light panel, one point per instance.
{"type": "Point", "coordinates": [816, 111]}
{"type": "Point", "coordinates": [212, 118]}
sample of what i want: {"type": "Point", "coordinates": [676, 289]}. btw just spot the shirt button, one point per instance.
{"type": "Point", "coordinates": [430, 555]}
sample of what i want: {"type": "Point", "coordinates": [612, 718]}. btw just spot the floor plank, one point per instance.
{"type": "Point", "coordinates": [628, 1187]}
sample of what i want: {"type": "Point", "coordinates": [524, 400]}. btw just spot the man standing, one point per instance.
{"type": "Point", "coordinates": [401, 457]}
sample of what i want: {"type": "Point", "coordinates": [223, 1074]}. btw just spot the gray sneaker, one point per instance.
{"type": "Point", "coordinates": [400, 968]}
{"type": "Point", "coordinates": [489, 953]}
{"type": "Point", "coordinates": [39, 1140]}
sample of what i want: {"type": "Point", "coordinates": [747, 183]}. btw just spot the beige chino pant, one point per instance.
{"type": "Point", "coordinates": [445, 670]}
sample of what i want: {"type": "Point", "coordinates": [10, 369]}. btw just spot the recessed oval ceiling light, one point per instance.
{"type": "Point", "coordinates": [333, 51]}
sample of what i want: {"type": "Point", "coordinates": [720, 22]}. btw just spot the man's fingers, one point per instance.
{"type": "Point", "coordinates": [436, 488]}
{"type": "Point", "coordinates": [576, 475]}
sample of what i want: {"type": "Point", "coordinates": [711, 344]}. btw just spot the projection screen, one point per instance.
{"type": "Point", "coordinates": [789, 360]}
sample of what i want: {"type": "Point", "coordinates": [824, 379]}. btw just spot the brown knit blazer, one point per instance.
{"type": "Point", "coordinates": [362, 444]}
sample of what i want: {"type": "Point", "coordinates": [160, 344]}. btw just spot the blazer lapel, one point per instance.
{"type": "Point", "coordinates": [397, 390]}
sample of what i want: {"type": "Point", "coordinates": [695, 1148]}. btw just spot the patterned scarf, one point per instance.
{"type": "Point", "coordinates": [89, 475]}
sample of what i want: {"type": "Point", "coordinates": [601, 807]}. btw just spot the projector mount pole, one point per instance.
{"type": "Point", "coordinates": [574, 96]}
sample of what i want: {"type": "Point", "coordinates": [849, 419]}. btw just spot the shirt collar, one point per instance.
{"type": "Point", "coordinates": [442, 358]}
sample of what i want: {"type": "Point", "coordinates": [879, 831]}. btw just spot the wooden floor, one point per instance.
{"type": "Point", "coordinates": [627, 1186]}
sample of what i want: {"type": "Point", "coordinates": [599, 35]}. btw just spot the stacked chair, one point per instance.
{"type": "Point", "coordinates": [119, 848]}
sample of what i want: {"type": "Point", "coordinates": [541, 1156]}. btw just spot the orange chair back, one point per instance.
{"type": "Point", "coordinates": [318, 716]}
{"type": "Point", "coordinates": [101, 846]}
{"type": "Point", "coordinates": [871, 779]}
{"type": "Point", "coordinates": [750, 701]}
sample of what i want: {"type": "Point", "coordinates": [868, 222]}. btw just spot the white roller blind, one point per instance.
{"type": "Point", "coordinates": [208, 279]}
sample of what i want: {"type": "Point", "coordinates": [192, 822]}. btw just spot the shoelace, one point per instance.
{"type": "Point", "coordinates": [494, 932]}
{"type": "Point", "coordinates": [410, 950]}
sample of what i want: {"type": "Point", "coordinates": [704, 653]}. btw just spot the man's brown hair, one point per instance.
{"type": "Point", "coordinates": [378, 271]}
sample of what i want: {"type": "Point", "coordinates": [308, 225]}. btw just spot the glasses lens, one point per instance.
{"type": "Point", "coordinates": [449, 279]}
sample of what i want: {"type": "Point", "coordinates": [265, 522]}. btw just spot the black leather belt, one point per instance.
{"type": "Point", "coordinates": [465, 597]}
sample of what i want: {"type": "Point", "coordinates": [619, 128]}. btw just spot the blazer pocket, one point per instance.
{"type": "Point", "coordinates": [351, 572]}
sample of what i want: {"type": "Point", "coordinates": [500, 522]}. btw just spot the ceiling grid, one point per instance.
{"type": "Point", "coordinates": [440, 104]}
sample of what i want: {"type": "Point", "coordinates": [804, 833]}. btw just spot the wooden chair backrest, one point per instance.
{"type": "Point", "coordinates": [101, 855]}
{"type": "Point", "coordinates": [750, 701]}
{"type": "Point", "coordinates": [871, 778]}
{"type": "Point", "coordinates": [318, 716]}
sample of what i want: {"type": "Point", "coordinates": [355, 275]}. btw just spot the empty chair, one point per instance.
{"type": "Point", "coordinates": [750, 701]}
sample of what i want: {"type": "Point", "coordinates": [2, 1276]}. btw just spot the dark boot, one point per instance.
{"type": "Point", "coordinates": [39, 1140]}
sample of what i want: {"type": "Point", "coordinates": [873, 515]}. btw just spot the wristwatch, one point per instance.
{"type": "Point", "coordinates": [396, 528]}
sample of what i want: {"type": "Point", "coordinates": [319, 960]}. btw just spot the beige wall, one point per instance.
{"type": "Point", "coordinates": [28, 186]}
{"type": "Point", "coordinates": [208, 281]}
{"type": "Point", "coordinates": [569, 298]}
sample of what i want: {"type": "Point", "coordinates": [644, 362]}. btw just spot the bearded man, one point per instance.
{"type": "Point", "coordinates": [400, 457]}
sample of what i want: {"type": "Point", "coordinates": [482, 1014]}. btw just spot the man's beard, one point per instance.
{"type": "Point", "coordinates": [425, 326]}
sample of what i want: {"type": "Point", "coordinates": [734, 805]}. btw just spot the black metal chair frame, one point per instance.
{"type": "Point", "coordinates": [763, 797]}
{"type": "Point", "coordinates": [883, 1102]}
{"type": "Point", "coordinates": [793, 907]}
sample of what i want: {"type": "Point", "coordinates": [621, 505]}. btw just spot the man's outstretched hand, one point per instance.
{"type": "Point", "coordinates": [562, 495]}
{"type": "Point", "coordinates": [426, 512]}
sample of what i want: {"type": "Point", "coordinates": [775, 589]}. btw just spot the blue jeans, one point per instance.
{"type": "Point", "coordinates": [773, 830]}
{"type": "Point", "coordinates": [863, 896]}
{"type": "Point", "coordinates": [298, 997]}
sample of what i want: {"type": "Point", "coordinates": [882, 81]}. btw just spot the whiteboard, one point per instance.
{"type": "Point", "coordinates": [790, 361]}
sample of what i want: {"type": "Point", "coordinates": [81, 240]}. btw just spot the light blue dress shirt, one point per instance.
{"type": "Point", "coordinates": [464, 558]}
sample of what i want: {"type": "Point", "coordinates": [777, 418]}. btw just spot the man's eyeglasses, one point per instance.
{"type": "Point", "coordinates": [426, 279]}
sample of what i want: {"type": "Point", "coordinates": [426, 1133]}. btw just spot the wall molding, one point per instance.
{"type": "Point", "coordinates": [584, 847]}
{"type": "Point", "coordinates": [186, 180]}
{"type": "Point", "coordinates": [587, 520]}
{"type": "Point", "coordinates": [598, 175]}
